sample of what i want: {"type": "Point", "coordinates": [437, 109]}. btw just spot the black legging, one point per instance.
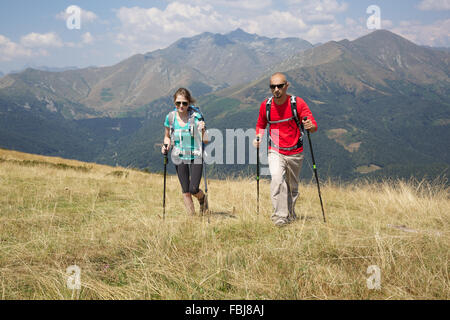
{"type": "Point", "coordinates": [189, 174]}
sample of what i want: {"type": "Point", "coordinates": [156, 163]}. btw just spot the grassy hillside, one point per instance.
{"type": "Point", "coordinates": [55, 213]}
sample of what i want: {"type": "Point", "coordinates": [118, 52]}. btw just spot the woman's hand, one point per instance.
{"type": "Point", "coordinates": [164, 149]}
{"type": "Point", "coordinates": [201, 126]}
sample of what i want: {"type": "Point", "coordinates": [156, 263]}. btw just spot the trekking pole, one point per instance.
{"type": "Point", "coordinates": [315, 171]}
{"type": "Point", "coordinates": [257, 176]}
{"type": "Point", "coordinates": [165, 171]}
{"type": "Point", "coordinates": [204, 177]}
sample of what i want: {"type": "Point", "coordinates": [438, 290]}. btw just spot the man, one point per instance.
{"type": "Point", "coordinates": [285, 147]}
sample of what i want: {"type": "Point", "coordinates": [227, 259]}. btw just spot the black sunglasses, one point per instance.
{"type": "Point", "coordinates": [279, 86]}
{"type": "Point", "coordinates": [184, 103]}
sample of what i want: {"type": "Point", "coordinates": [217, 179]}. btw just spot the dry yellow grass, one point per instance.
{"type": "Point", "coordinates": [110, 225]}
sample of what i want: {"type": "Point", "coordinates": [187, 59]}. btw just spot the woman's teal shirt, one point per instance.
{"type": "Point", "coordinates": [183, 140]}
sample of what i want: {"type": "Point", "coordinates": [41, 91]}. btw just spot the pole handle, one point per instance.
{"type": "Point", "coordinates": [165, 153]}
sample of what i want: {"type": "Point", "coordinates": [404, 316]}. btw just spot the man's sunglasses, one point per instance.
{"type": "Point", "coordinates": [279, 86]}
{"type": "Point", "coordinates": [179, 103]}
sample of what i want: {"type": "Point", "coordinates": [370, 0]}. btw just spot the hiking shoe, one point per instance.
{"type": "Point", "coordinates": [281, 222]}
{"type": "Point", "coordinates": [204, 204]}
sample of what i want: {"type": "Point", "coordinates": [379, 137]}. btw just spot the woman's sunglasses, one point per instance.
{"type": "Point", "coordinates": [179, 103]}
{"type": "Point", "coordinates": [279, 86]}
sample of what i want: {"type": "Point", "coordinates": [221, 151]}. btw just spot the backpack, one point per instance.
{"type": "Point", "coordinates": [294, 117]}
{"type": "Point", "coordinates": [192, 111]}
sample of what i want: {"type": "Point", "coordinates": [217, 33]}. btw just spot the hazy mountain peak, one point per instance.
{"type": "Point", "coordinates": [198, 40]}
{"type": "Point", "coordinates": [241, 35]}
{"type": "Point", "coordinates": [383, 38]}
{"type": "Point", "coordinates": [238, 31]}
{"type": "Point", "coordinates": [383, 33]}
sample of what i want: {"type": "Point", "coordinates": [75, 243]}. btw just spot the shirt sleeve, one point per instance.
{"type": "Point", "coordinates": [304, 111]}
{"type": "Point", "coordinates": [261, 124]}
{"type": "Point", "coordinates": [166, 122]}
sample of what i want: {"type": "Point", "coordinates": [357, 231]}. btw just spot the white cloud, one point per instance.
{"type": "Point", "coordinates": [30, 45]}
{"type": "Point", "coordinates": [33, 40]}
{"type": "Point", "coordinates": [87, 38]}
{"type": "Point", "coordinates": [434, 5]}
{"type": "Point", "coordinates": [320, 18]}
{"type": "Point", "coordinates": [247, 5]}
{"type": "Point", "coordinates": [319, 6]}
{"type": "Point", "coordinates": [275, 24]}
{"type": "Point", "coordinates": [51, 39]}
{"type": "Point", "coordinates": [350, 22]}
{"type": "Point", "coordinates": [10, 50]}
{"type": "Point", "coordinates": [37, 45]}
{"type": "Point", "coordinates": [334, 31]}
{"type": "Point", "coordinates": [146, 29]}
{"type": "Point", "coordinates": [250, 5]}
{"type": "Point", "coordinates": [386, 24]}
{"type": "Point", "coordinates": [435, 34]}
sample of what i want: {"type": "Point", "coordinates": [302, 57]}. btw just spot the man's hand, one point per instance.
{"type": "Point", "coordinates": [308, 125]}
{"type": "Point", "coordinates": [257, 141]}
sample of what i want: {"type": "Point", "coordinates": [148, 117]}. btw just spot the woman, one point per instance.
{"type": "Point", "coordinates": [185, 132]}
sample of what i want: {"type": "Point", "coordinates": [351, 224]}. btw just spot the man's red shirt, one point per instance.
{"type": "Point", "coordinates": [285, 134]}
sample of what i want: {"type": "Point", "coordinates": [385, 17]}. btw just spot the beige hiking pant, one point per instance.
{"type": "Point", "coordinates": [285, 172]}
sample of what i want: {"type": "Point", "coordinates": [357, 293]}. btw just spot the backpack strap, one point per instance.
{"type": "Point", "coordinates": [294, 111]}
{"type": "Point", "coordinates": [297, 121]}
{"type": "Point", "coordinates": [268, 105]}
{"type": "Point", "coordinates": [201, 118]}
{"type": "Point", "coordinates": [191, 121]}
{"type": "Point", "coordinates": [196, 109]}
{"type": "Point", "coordinates": [172, 115]}
{"type": "Point", "coordinates": [294, 117]}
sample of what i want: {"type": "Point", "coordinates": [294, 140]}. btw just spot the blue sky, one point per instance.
{"type": "Point", "coordinates": [35, 33]}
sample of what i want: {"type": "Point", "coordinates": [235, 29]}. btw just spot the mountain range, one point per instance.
{"type": "Point", "coordinates": [381, 101]}
{"type": "Point", "coordinates": [204, 63]}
